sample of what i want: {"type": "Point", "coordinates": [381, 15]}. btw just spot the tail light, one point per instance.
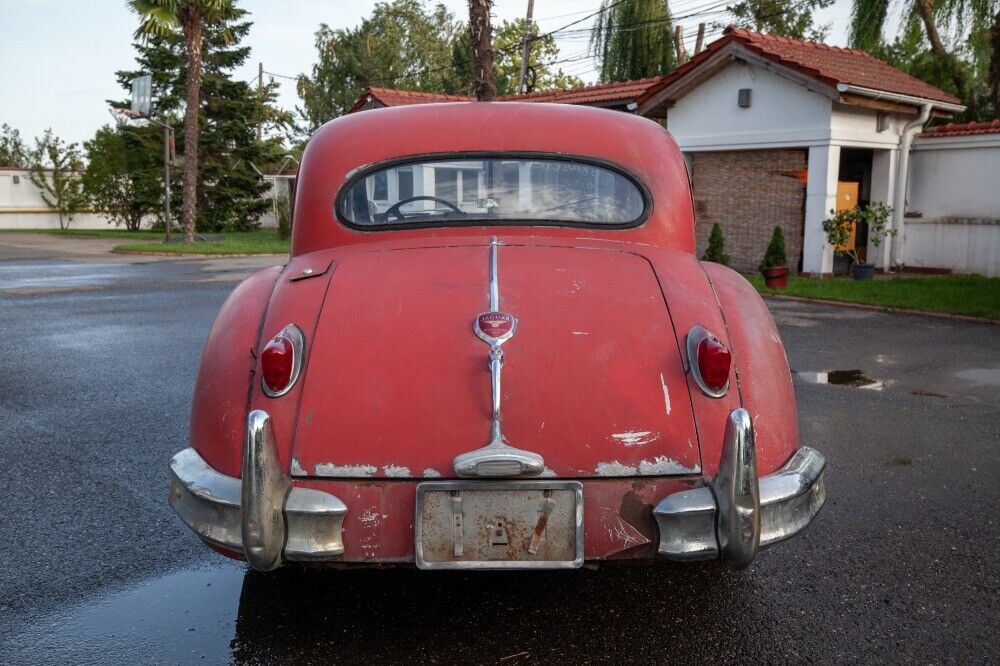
{"type": "Point", "coordinates": [710, 362]}
{"type": "Point", "coordinates": [281, 361]}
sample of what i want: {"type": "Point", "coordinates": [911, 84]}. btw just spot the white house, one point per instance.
{"type": "Point", "coordinates": [773, 128]}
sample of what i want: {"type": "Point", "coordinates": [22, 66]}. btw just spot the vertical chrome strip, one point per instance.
{"type": "Point", "coordinates": [494, 278]}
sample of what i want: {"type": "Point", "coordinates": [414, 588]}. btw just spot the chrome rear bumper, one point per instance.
{"type": "Point", "coordinates": [261, 515]}
{"type": "Point", "coordinates": [738, 513]}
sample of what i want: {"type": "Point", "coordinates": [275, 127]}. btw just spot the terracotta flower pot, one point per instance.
{"type": "Point", "coordinates": [776, 277]}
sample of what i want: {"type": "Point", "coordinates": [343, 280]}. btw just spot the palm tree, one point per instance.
{"type": "Point", "coordinates": [162, 17]}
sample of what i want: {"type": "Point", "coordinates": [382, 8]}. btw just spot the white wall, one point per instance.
{"type": "Point", "coordinates": [781, 114]}
{"type": "Point", "coordinates": [857, 127]}
{"type": "Point", "coordinates": [953, 204]}
{"type": "Point", "coordinates": [22, 206]}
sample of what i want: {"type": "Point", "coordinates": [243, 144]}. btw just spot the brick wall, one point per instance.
{"type": "Point", "coordinates": [747, 193]}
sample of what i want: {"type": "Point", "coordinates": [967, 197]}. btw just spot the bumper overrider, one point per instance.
{"type": "Point", "coordinates": [269, 521]}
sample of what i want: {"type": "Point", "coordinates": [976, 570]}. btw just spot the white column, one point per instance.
{"type": "Point", "coordinates": [883, 184]}
{"type": "Point", "coordinates": [821, 197]}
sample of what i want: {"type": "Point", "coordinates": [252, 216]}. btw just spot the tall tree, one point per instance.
{"type": "Point", "coordinates": [787, 18]}
{"type": "Point", "coordinates": [55, 169]}
{"type": "Point", "coordinates": [121, 179]}
{"type": "Point", "coordinates": [507, 40]}
{"type": "Point", "coordinates": [13, 152]}
{"type": "Point", "coordinates": [163, 17]}
{"type": "Point", "coordinates": [228, 189]}
{"type": "Point", "coordinates": [401, 45]}
{"type": "Point", "coordinates": [481, 40]}
{"type": "Point", "coordinates": [633, 39]}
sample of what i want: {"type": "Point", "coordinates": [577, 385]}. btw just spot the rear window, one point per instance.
{"type": "Point", "coordinates": [492, 190]}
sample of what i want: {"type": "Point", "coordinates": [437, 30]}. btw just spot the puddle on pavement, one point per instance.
{"type": "Point", "coordinates": [981, 376]}
{"type": "Point", "coordinates": [851, 378]}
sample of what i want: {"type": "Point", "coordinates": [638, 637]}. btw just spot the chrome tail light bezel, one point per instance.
{"type": "Point", "coordinates": [293, 334]}
{"type": "Point", "coordinates": [695, 337]}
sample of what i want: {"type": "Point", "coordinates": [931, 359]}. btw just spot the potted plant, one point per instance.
{"type": "Point", "coordinates": [716, 251]}
{"type": "Point", "coordinates": [774, 267]}
{"type": "Point", "coordinates": [840, 225]}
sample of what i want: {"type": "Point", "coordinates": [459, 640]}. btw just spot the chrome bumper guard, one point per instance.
{"type": "Point", "coordinates": [261, 515]}
{"type": "Point", "coordinates": [738, 513]}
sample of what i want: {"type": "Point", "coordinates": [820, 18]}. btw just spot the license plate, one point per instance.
{"type": "Point", "coordinates": [499, 525]}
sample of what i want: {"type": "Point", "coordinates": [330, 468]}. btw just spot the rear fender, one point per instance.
{"type": "Point", "coordinates": [228, 364]}
{"type": "Point", "coordinates": [762, 371]}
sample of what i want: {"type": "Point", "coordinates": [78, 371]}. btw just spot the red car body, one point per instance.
{"type": "Point", "coordinates": [395, 384]}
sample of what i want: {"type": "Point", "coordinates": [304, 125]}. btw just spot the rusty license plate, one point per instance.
{"type": "Point", "coordinates": [499, 524]}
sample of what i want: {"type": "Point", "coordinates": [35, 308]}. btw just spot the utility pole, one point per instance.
{"type": "Point", "coordinates": [526, 48]}
{"type": "Point", "coordinates": [260, 99]}
{"type": "Point", "coordinates": [168, 140]}
{"type": "Point", "coordinates": [699, 43]}
{"type": "Point", "coordinates": [481, 33]}
{"type": "Point", "coordinates": [682, 55]}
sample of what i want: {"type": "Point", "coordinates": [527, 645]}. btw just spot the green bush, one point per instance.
{"type": "Point", "coordinates": [775, 255]}
{"type": "Point", "coordinates": [716, 251]}
{"type": "Point", "coordinates": [283, 210]}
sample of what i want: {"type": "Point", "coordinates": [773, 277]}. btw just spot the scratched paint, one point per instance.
{"type": "Point", "coordinates": [580, 333]}
{"type": "Point", "coordinates": [297, 469]}
{"type": "Point", "coordinates": [666, 394]}
{"type": "Point", "coordinates": [350, 471]}
{"type": "Point", "coordinates": [635, 438]}
{"type": "Point", "coordinates": [396, 471]}
{"type": "Point", "coordinates": [659, 466]}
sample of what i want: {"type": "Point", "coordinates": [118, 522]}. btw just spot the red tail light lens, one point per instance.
{"type": "Point", "coordinates": [277, 361]}
{"type": "Point", "coordinates": [714, 362]}
{"type": "Point", "coordinates": [281, 361]}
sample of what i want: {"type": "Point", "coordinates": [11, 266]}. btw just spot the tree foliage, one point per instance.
{"type": "Point", "coordinates": [121, 176]}
{"type": "Point", "coordinates": [716, 250]}
{"type": "Point", "coordinates": [55, 168]}
{"type": "Point", "coordinates": [775, 254]}
{"type": "Point", "coordinates": [13, 152]}
{"type": "Point", "coordinates": [399, 46]}
{"type": "Point", "coordinates": [788, 18]}
{"type": "Point", "coordinates": [633, 39]}
{"type": "Point", "coordinates": [508, 46]}
{"type": "Point", "coordinates": [229, 190]}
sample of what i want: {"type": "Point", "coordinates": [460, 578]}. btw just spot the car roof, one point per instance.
{"type": "Point", "coordinates": [639, 146]}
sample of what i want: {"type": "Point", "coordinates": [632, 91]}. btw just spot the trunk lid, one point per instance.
{"type": "Point", "coordinates": [397, 383]}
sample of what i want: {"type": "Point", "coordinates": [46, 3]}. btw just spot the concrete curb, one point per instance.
{"type": "Point", "coordinates": [883, 308]}
{"type": "Point", "coordinates": [195, 255]}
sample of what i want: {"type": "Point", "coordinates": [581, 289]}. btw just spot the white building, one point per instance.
{"type": "Point", "coordinates": [22, 206]}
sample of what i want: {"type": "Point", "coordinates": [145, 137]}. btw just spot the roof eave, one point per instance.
{"type": "Point", "coordinates": [899, 98]}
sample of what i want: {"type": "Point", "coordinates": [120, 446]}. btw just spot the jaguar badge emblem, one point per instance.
{"type": "Point", "coordinates": [495, 328]}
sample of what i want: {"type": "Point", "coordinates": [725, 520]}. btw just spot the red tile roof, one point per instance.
{"type": "Point", "coordinates": [623, 91]}
{"type": "Point", "coordinates": [962, 129]}
{"type": "Point", "coordinates": [393, 97]}
{"type": "Point", "coordinates": [831, 65]}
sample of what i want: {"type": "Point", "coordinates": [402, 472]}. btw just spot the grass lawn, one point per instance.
{"type": "Point", "coordinates": [971, 295]}
{"type": "Point", "coordinates": [248, 242]}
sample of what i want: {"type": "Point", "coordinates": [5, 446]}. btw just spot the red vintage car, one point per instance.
{"type": "Point", "coordinates": [494, 347]}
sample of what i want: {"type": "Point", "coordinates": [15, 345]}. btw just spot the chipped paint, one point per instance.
{"type": "Point", "coordinates": [297, 468]}
{"type": "Point", "coordinates": [636, 437]}
{"type": "Point", "coordinates": [666, 394]}
{"type": "Point", "coordinates": [548, 473]}
{"type": "Point", "coordinates": [329, 469]}
{"type": "Point", "coordinates": [431, 473]}
{"type": "Point", "coordinates": [396, 471]}
{"type": "Point", "coordinates": [370, 518]}
{"type": "Point", "coordinates": [580, 333]}
{"type": "Point", "coordinates": [659, 466]}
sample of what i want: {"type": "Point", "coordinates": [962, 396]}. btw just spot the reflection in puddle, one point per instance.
{"type": "Point", "coordinates": [980, 376]}
{"type": "Point", "coordinates": [852, 378]}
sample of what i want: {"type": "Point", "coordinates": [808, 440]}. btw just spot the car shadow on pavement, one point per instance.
{"type": "Point", "coordinates": [638, 612]}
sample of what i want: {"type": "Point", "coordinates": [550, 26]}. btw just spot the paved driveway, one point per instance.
{"type": "Point", "coordinates": [95, 377]}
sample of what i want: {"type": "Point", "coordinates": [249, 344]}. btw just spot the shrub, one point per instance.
{"type": "Point", "coordinates": [283, 210]}
{"type": "Point", "coordinates": [775, 255]}
{"type": "Point", "coordinates": [839, 226]}
{"type": "Point", "coordinates": [716, 250]}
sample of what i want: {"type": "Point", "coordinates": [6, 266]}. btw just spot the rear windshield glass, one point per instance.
{"type": "Point", "coordinates": [493, 190]}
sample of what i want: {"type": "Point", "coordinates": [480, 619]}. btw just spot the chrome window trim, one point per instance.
{"type": "Point", "coordinates": [694, 338]}
{"type": "Point", "coordinates": [418, 549]}
{"type": "Point", "coordinates": [293, 334]}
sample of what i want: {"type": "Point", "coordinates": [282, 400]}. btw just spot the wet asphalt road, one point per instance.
{"type": "Point", "coordinates": [95, 382]}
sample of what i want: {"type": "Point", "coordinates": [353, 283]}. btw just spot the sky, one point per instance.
{"type": "Point", "coordinates": [59, 56]}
